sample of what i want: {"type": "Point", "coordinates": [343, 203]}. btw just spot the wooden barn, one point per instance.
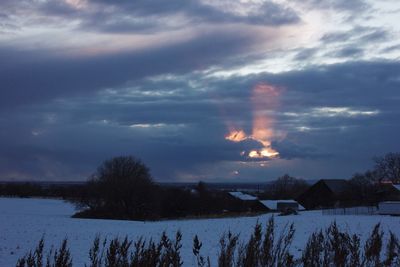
{"type": "Point", "coordinates": [282, 205]}
{"type": "Point", "coordinates": [248, 202]}
{"type": "Point", "coordinates": [326, 193]}
{"type": "Point", "coordinates": [388, 192]}
{"type": "Point", "coordinates": [389, 208]}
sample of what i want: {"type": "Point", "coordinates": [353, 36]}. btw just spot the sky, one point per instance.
{"type": "Point", "coordinates": [222, 90]}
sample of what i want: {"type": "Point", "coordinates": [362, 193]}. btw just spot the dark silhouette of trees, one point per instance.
{"type": "Point", "coordinates": [121, 188]}
{"type": "Point", "coordinates": [286, 187]}
{"type": "Point", "coordinates": [37, 189]}
{"type": "Point", "coordinates": [368, 188]}
{"type": "Point", "coordinates": [387, 167]}
{"type": "Point", "coordinates": [364, 188]}
{"type": "Point", "coordinates": [21, 190]}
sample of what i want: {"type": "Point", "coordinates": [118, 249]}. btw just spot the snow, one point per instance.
{"type": "Point", "coordinates": [389, 207]}
{"type": "Point", "coordinates": [242, 196]}
{"type": "Point", "coordinates": [397, 186]}
{"type": "Point", "coordinates": [24, 221]}
{"type": "Point", "coordinates": [273, 204]}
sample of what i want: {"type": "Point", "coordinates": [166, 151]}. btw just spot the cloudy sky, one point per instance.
{"type": "Point", "coordinates": [244, 90]}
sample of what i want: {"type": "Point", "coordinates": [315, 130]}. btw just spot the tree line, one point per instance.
{"type": "Point", "coordinates": [35, 189]}
{"type": "Point", "coordinates": [368, 188]}
{"type": "Point", "coordinates": [123, 188]}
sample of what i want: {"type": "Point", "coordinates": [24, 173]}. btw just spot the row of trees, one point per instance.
{"type": "Point", "coordinates": [285, 187]}
{"type": "Point", "coordinates": [122, 188]}
{"type": "Point", "coordinates": [386, 168]}
{"type": "Point", "coordinates": [364, 188]}
{"type": "Point", "coordinates": [32, 189]}
{"type": "Point", "coordinates": [370, 187]}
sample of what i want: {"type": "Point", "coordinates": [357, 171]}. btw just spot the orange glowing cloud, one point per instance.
{"type": "Point", "coordinates": [236, 136]}
{"type": "Point", "coordinates": [265, 98]}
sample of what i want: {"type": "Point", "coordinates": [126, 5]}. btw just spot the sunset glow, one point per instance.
{"type": "Point", "coordinates": [198, 89]}
{"type": "Point", "coordinates": [264, 99]}
{"type": "Point", "coordinates": [236, 136]}
{"type": "Point", "coordinates": [263, 153]}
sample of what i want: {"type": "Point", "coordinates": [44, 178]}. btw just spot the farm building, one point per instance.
{"type": "Point", "coordinates": [243, 196]}
{"type": "Point", "coordinates": [325, 193]}
{"type": "Point", "coordinates": [388, 192]}
{"type": "Point", "coordinates": [282, 205]}
{"type": "Point", "coordinates": [249, 202]}
{"type": "Point", "coordinates": [389, 208]}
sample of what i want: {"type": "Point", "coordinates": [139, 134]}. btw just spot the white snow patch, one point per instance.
{"type": "Point", "coordinates": [397, 186]}
{"type": "Point", "coordinates": [273, 204]}
{"type": "Point", "coordinates": [242, 196]}
{"type": "Point", "coordinates": [24, 221]}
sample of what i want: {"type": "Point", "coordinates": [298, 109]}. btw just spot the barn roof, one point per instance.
{"type": "Point", "coordinates": [242, 196]}
{"type": "Point", "coordinates": [397, 186]}
{"type": "Point", "coordinates": [273, 204]}
{"type": "Point", "coordinates": [337, 186]}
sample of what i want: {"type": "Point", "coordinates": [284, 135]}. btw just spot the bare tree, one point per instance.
{"type": "Point", "coordinates": [286, 187]}
{"type": "Point", "coordinates": [388, 167]}
{"type": "Point", "coordinates": [364, 188]}
{"type": "Point", "coordinates": [121, 188]}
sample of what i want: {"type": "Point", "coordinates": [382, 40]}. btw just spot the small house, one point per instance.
{"type": "Point", "coordinates": [388, 192]}
{"type": "Point", "coordinates": [389, 208]}
{"type": "Point", "coordinates": [282, 205]}
{"type": "Point", "coordinates": [243, 196]}
{"type": "Point", "coordinates": [326, 193]}
{"type": "Point", "coordinates": [248, 202]}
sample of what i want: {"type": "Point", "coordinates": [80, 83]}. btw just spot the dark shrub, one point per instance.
{"type": "Point", "coordinates": [121, 188]}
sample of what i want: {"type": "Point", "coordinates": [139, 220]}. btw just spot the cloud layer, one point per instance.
{"type": "Point", "coordinates": [82, 81]}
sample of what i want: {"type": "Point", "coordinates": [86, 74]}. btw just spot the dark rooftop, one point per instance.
{"type": "Point", "coordinates": [337, 186]}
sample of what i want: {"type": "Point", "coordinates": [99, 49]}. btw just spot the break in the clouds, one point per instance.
{"type": "Point", "coordinates": [210, 90]}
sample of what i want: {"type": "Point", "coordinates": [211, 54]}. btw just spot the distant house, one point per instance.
{"type": "Point", "coordinates": [326, 193]}
{"type": "Point", "coordinates": [397, 186]}
{"type": "Point", "coordinates": [243, 196]}
{"type": "Point", "coordinates": [282, 205]}
{"type": "Point", "coordinates": [389, 208]}
{"type": "Point", "coordinates": [388, 191]}
{"type": "Point", "coordinates": [248, 202]}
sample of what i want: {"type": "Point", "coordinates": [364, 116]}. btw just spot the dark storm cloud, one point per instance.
{"type": "Point", "coordinates": [83, 146]}
{"type": "Point", "coordinates": [153, 13]}
{"type": "Point", "coordinates": [377, 35]}
{"type": "Point", "coordinates": [186, 129]}
{"type": "Point", "coordinates": [41, 77]}
{"type": "Point", "coordinates": [291, 150]}
{"type": "Point", "coordinates": [6, 24]}
{"type": "Point", "coordinates": [268, 14]}
{"type": "Point", "coordinates": [358, 35]}
{"type": "Point", "coordinates": [349, 52]}
{"type": "Point", "coordinates": [341, 84]}
{"type": "Point", "coordinates": [359, 86]}
{"type": "Point", "coordinates": [337, 36]}
{"type": "Point", "coordinates": [343, 5]}
{"type": "Point", "coordinates": [391, 48]}
{"type": "Point", "coordinates": [306, 54]}
{"type": "Point", "coordinates": [161, 89]}
{"type": "Point", "coordinates": [146, 16]}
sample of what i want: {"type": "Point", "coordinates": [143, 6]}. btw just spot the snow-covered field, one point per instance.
{"type": "Point", "coordinates": [24, 221]}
